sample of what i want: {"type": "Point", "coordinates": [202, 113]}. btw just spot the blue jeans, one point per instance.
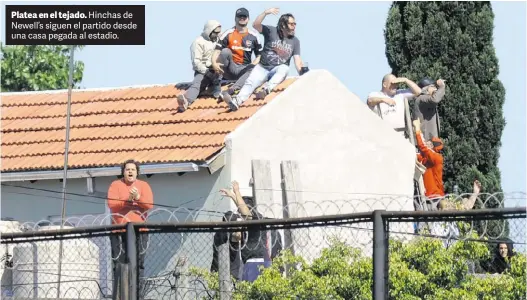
{"type": "Point", "coordinates": [258, 76]}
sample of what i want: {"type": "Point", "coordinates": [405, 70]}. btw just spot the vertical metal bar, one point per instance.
{"type": "Point", "coordinates": [132, 261]}
{"type": "Point", "coordinates": [224, 269]}
{"type": "Point", "coordinates": [65, 176]}
{"type": "Point", "coordinates": [379, 257]}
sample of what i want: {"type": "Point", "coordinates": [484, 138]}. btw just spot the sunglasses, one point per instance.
{"type": "Point", "coordinates": [242, 17]}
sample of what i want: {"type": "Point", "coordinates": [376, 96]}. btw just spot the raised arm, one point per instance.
{"type": "Point", "coordinates": [238, 200]}
{"type": "Point", "coordinates": [468, 204]}
{"type": "Point", "coordinates": [416, 90]}
{"type": "Point", "coordinates": [257, 24]}
{"type": "Point", "coordinates": [437, 96]}
{"type": "Point", "coordinates": [425, 151]}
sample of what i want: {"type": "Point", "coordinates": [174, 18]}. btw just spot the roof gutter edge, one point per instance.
{"type": "Point", "coordinates": [97, 172]}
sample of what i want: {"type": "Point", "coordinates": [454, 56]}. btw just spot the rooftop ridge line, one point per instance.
{"type": "Point", "coordinates": [139, 86]}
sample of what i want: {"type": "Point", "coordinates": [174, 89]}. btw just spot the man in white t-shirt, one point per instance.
{"type": "Point", "coordinates": [389, 102]}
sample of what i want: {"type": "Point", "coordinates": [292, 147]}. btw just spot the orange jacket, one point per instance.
{"type": "Point", "coordinates": [118, 203]}
{"type": "Point", "coordinates": [433, 176]}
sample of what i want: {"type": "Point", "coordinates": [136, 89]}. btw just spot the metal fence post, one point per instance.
{"type": "Point", "coordinates": [224, 271]}
{"type": "Point", "coordinates": [131, 257]}
{"type": "Point", "coordinates": [380, 253]}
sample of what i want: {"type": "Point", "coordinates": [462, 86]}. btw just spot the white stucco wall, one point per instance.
{"type": "Point", "coordinates": [350, 160]}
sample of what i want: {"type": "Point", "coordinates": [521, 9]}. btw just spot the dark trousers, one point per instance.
{"type": "Point", "coordinates": [200, 83]}
{"type": "Point", "coordinates": [118, 249]}
{"type": "Point", "coordinates": [234, 71]}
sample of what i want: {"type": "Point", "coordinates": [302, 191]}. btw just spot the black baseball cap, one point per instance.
{"type": "Point", "coordinates": [242, 12]}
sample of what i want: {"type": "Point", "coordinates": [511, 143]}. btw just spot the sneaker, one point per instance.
{"type": "Point", "coordinates": [224, 95]}
{"type": "Point", "coordinates": [182, 103]}
{"type": "Point", "coordinates": [261, 94]}
{"type": "Point", "coordinates": [216, 91]}
{"type": "Point", "coordinates": [231, 102]}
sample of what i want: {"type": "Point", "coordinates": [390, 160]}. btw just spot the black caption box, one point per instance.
{"type": "Point", "coordinates": [75, 24]}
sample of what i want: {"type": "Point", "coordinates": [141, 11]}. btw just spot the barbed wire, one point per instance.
{"type": "Point", "coordinates": [163, 279]}
{"type": "Point", "coordinates": [507, 195]}
{"type": "Point", "coordinates": [277, 210]}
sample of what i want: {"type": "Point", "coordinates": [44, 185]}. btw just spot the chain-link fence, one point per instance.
{"type": "Point", "coordinates": [379, 255]}
{"type": "Point", "coordinates": [35, 261]}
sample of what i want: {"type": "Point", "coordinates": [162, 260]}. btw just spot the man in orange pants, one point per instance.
{"type": "Point", "coordinates": [430, 156]}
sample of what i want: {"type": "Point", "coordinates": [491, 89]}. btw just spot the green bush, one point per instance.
{"type": "Point", "coordinates": [420, 269]}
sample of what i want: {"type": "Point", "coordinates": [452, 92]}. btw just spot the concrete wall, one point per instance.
{"type": "Point", "coordinates": [350, 160]}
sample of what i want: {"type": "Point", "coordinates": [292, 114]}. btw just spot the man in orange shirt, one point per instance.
{"type": "Point", "coordinates": [430, 156]}
{"type": "Point", "coordinates": [129, 199]}
{"type": "Point", "coordinates": [232, 56]}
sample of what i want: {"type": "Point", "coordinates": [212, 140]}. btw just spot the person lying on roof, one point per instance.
{"type": "Point", "coordinates": [204, 76]}
{"type": "Point", "coordinates": [279, 46]}
{"type": "Point", "coordinates": [232, 57]}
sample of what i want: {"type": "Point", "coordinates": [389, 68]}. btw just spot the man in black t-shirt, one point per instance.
{"type": "Point", "coordinates": [252, 248]}
{"type": "Point", "coordinates": [280, 46]}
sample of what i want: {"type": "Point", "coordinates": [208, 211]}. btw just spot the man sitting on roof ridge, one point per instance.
{"type": "Point", "coordinates": [279, 46]}
{"type": "Point", "coordinates": [204, 76]}
{"type": "Point", "coordinates": [232, 57]}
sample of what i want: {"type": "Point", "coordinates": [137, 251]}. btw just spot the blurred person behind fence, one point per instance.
{"type": "Point", "coordinates": [425, 106]}
{"type": "Point", "coordinates": [501, 259]}
{"type": "Point", "coordinates": [128, 200]}
{"type": "Point", "coordinates": [450, 230]}
{"type": "Point", "coordinates": [258, 247]}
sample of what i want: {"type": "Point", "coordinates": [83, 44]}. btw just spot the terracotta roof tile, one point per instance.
{"type": "Point", "coordinates": [110, 126]}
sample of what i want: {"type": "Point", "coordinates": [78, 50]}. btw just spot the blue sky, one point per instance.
{"type": "Point", "coordinates": [345, 38]}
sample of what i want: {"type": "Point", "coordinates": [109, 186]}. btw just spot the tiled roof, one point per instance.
{"type": "Point", "coordinates": [110, 126]}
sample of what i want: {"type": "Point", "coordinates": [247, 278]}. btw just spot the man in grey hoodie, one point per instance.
{"type": "Point", "coordinates": [201, 52]}
{"type": "Point", "coordinates": [425, 107]}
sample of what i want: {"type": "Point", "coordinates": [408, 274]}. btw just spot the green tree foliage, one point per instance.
{"type": "Point", "coordinates": [453, 41]}
{"type": "Point", "coordinates": [36, 68]}
{"type": "Point", "coordinates": [420, 269]}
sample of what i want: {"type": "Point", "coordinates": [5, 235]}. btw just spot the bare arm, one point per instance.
{"type": "Point", "coordinates": [257, 24]}
{"type": "Point", "coordinates": [416, 90]}
{"type": "Point", "coordinates": [468, 204]}
{"type": "Point", "coordinates": [238, 200]}
{"type": "Point", "coordinates": [298, 63]}
{"type": "Point", "coordinates": [242, 206]}
{"type": "Point", "coordinates": [413, 86]}
{"type": "Point", "coordinates": [215, 56]}
{"type": "Point", "coordinates": [256, 60]}
{"type": "Point", "coordinates": [373, 101]}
